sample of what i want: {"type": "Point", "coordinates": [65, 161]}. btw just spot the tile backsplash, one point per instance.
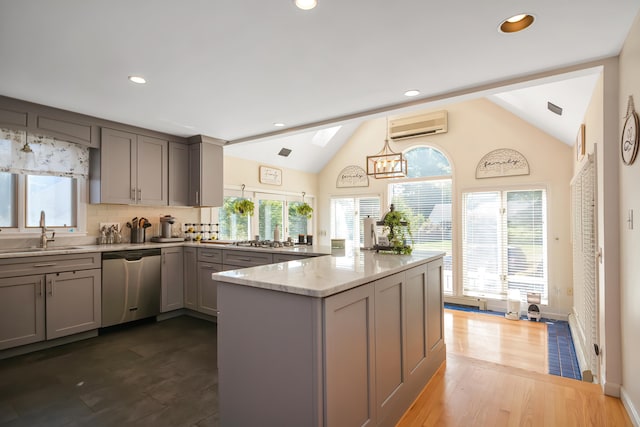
{"type": "Point", "coordinates": [122, 214]}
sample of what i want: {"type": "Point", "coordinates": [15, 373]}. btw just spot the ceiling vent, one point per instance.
{"type": "Point", "coordinates": [419, 125]}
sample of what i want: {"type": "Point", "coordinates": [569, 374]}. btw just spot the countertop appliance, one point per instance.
{"type": "Point", "coordinates": [130, 285]}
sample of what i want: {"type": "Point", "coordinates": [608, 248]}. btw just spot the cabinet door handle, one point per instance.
{"type": "Point", "coordinates": [46, 264]}
{"type": "Point", "coordinates": [41, 288]}
{"type": "Point", "coordinates": [197, 197]}
{"type": "Point", "coordinates": [133, 194]}
{"type": "Point", "coordinates": [50, 285]}
{"type": "Point", "coordinates": [139, 194]}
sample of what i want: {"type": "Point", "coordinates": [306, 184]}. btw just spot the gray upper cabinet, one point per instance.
{"type": "Point", "coordinates": [178, 174]}
{"type": "Point", "coordinates": [47, 121]}
{"type": "Point", "coordinates": [205, 171]}
{"type": "Point", "coordinates": [130, 169]}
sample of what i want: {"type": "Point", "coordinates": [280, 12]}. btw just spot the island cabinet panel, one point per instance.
{"type": "Point", "coordinates": [390, 342]}
{"type": "Point", "coordinates": [435, 305]}
{"type": "Point", "coordinates": [172, 281]}
{"type": "Point", "coordinates": [416, 317]}
{"type": "Point", "coordinates": [22, 313]}
{"type": "Point", "coordinates": [350, 357]}
{"type": "Point", "coordinates": [270, 348]}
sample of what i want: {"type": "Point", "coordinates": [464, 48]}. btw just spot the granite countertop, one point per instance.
{"type": "Point", "coordinates": [325, 275]}
{"type": "Point", "coordinates": [74, 249]}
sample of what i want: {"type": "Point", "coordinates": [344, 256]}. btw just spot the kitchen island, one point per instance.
{"type": "Point", "coordinates": [341, 340]}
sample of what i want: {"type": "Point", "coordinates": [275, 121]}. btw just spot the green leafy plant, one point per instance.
{"type": "Point", "coordinates": [304, 209]}
{"type": "Point", "coordinates": [398, 228]}
{"type": "Point", "coordinates": [243, 207]}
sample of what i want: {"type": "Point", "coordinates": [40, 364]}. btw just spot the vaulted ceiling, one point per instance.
{"type": "Point", "coordinates": [231, 69]}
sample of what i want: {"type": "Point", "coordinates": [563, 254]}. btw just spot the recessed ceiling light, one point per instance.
{"type": "Point", "coordinates": [138, 79]}
{"type": "Point", "coordinates": [279, 125]}
{"type": "Point", "coordinates": [516, 23]}
{"type": "Point", "coordinates": [412, 92]}
{"type": "Point", "coordinates": [306, 4]}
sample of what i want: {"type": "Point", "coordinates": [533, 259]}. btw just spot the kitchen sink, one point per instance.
{"type": "Point", "coordinates": [49, 249]}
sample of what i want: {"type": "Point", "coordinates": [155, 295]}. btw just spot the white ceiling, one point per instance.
{"type": "Point", "coordinates": [230, 69]}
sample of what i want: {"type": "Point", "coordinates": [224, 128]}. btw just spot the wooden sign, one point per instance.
{"type": "Point", "coordinates": [502, 162]}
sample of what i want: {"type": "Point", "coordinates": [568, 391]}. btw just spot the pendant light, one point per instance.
{"type": "Point", "coordinates": [387, 163]}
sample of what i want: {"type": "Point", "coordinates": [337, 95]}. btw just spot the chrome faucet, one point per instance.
{"type": "Point", "coordinates": [43, 236]}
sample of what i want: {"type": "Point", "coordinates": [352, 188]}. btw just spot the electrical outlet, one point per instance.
{"type": "Point", "coordinates": [570, 292]}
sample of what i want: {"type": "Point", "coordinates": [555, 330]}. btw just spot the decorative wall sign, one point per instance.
{"type": "Point", "coordinates": [502, 162]}
{"type": "Point", "coordinates": [630, 135]}
{"type": "Point", "coordinates": [271, 176]}
{"type": "Point", "coordinates": [352, 176]}
{"type": "Point", "coordinates": [580, 144]}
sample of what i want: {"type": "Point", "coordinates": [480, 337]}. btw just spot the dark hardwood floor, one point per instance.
{"type": "Point", "coordinates": [153, 374]}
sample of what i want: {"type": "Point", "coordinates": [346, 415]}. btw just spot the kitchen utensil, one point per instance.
{"type": "Point", "coordinates": [134, 222]}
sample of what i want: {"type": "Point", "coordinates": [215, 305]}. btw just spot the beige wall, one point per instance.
{"type": "Point", "coordinates": [476, 128]}
{"type": "Point", "coordinates": [630, 239]}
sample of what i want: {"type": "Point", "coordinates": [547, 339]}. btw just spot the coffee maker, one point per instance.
{"type": "Point", "coordinates": [165, 230]}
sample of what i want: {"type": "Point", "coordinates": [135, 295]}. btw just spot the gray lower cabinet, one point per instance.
{"type": "Point", "coordinates": [190, 278]}
{"type": "Point", "coordinates": [280, 257]}
{"type": "Point", "coordinates": [21, 311]}
{"type": "Point", "coordinates": [48, 306]}
{"type": "Point", "coordinates": [73, 302]}
{"type": "Point", "coordinates": [356, 358]}
{"type": "Point", "coordinates": [172, 279]}
{"type": "Point", "coordinates": [208, 288]}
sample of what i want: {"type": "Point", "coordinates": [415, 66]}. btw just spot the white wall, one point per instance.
{"type": "Point", "coordinates": [629, 177]}
{"type": "Point", "coordinates": [475, 128]}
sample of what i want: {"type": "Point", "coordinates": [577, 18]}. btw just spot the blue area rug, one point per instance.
{"type": "Point", "coordinates": [562, 357]}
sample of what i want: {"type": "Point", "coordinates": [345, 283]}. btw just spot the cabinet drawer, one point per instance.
{"type": "Point", "coordinates": [210, 255]}
{"type": "Point", "coordinates": [288, 257]}
{"type": "Point", "coordinates": [48, 264]}
{"type": "Point", "coordinates": [246, 258]}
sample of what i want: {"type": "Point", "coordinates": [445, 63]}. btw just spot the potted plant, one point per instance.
{"type": "Point", "coordinates": [304, 209]}
{"type": "Point", "coordinates": [243, 207]}
{"type": "Point", "coordinates": [398, 229]}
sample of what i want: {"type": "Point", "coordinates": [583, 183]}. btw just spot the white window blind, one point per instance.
{"type": "Point", "coordinates": [427, 205]}
{"type": "Point", "coordinates": [347, 217]}
{"type": "Point", "coordinates": [504, 244]}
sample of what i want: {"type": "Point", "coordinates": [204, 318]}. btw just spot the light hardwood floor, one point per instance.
{"type": "Point", "coordinates": [492, 377]}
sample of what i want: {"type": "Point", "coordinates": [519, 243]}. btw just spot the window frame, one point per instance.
{"type": "Point", "coordinates": [503, 236]}
{"type": "Point", "coordinates": [22, 230]}
{"type": "Point", "coordinates": [263, 194]}
{"type": "Point", "coordinates": [356, 229]}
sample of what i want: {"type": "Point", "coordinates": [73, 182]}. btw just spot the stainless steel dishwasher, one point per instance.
{"type": "Point", "coordinates": [130, 285]}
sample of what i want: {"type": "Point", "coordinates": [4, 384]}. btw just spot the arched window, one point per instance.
{"type": "Point", "coordinates": [426, 162]}
{"type": "Point", "coordinates": [426, 199]}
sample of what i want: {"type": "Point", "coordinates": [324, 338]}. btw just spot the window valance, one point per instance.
{"type": "Point", "coordinates": [27, 154]}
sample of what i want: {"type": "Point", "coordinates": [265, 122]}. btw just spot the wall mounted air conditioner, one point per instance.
{"type": "Point", "coordinates": [418, 125]}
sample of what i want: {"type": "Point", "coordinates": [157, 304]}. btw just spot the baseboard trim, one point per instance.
{"type": "Point", "coordinates": [42, 345]}
{"type": "Point", "coordinates": [631, 409]}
